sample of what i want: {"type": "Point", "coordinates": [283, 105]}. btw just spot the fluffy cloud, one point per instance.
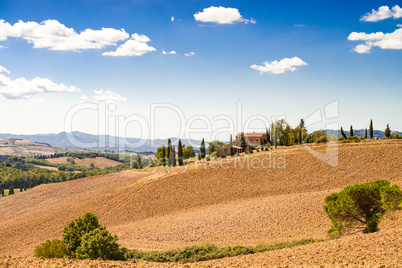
{"type": "Point", "coordinates": [279, 67]}
{"type": "Point", "coordinates": [53, 35]}
{"type": "Point", "coordinates": [382, 40]}
{"type": "Point", "coordinates": [383, 12]}
{"type": "Point", "coordinates": [136, 46]}
{"type": "Point", "coordinates": [172, 19]}
{"type": "Point", "coordinates": [108, 95]}
{"type": "Point", "coordinates": [221, 15]}
{"type": "Point", "coordinates": [3, 70]}
{"type": "Point", "coordinates": [21, 88]}
{"type": "Point", "coordinates": [171, 52]}
{"type": "Point", "coordinates": [189, 54]}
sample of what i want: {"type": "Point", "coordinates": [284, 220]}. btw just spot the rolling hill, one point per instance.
{"type": "Point", "coordinates": [225, 206]}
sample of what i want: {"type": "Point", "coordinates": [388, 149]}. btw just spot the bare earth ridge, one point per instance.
{"type": "Point", "coordinates": [216, 205]}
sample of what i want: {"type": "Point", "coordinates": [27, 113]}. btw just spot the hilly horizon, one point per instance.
{"type": "Point", "coordinates": [111, 142]}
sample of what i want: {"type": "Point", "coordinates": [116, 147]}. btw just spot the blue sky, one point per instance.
{"type": "Point", "coordinates": [322, 62]}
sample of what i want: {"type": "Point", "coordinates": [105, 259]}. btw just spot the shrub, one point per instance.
{"type": "Point", "coordinates": [11, 191]}
{"type": "Point", "coordinates": [361, 204]}
{"type": "Point", "coordinates": [51, 249]}
{"type": "Point", "coordinates": [322, 139]}
{"type": "Point", "coordinates": [208, 159]}
{"type": "Point", "coordinates": [353, 138]}
{"type": "Point", "coordinates": [250, 151]}
{"type": "Point", "coordinates": [223, 156]}
{"type": "Point", "coordinates": [99, 243]}
{"type": "Point", "coordinates": [76, 229]}
{"type": "Point", "coordinates": [259, 149]}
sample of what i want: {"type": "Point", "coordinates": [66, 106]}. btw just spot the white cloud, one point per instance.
{"type": "Point", "coordinates": [83, 97]}
{"type": "Point", "coordinates": [53, 35]}
{"type": "Point", "coordinates": [222, 15]}
{"type": "Point", "coordinates": [279, 67]}
{"type": "Point", "coordinates": [1, 46]}
{"type": "Point", "coordinates": [382, 40]}
{"type": "Point", "coordinates": [399, 25]}
{"type": "Point", "coordinates": [108, 95]}
{"type": "Point", "coordinates": [189, 54]}
{"type": "Point", "coordinates": [172, 19]}
{"type": "Point", "coordinates": [3, 70]}
{"type": "Point", "coordinates": [21, 88]}
{"type": "Point", "coordinates": [300, 25]}
{"type": "Point", "coordinates": [136, 46]}
{"type": "Point", "coordinates": [383, 12]}
{"type": "Point", "coordinates": [172, 52]}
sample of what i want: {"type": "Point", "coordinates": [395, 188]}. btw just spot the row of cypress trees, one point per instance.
{"type": "Point", "coordinates": [371, 131]}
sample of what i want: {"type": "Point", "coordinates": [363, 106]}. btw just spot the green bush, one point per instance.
{"type": "Point", "coordinates": [223, 156]}
{"type": "Point", "coordinates": [322, 139]}
{"type": "Point", "coordinates": [250, 151]}
{"type": "Point", "coordinates": [99, 243]}
{"type": "Point", "coordinates": [51, 249]}
{"type": "Point", "coordinates": [354, 138]}
{"type": "Point", "coordinates": [76, 229]}
{"type": "Point", "coordinates": [207, 252]}
{"type": "Point", "coordinates": [361, 204]}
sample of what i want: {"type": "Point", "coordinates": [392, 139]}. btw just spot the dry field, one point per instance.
{"type": "Point", "coordinates": [217, 205]}
{"type": "Point", "coordinates": [17, 147]}
{"type": "Point", "coordinates": [99, 162]}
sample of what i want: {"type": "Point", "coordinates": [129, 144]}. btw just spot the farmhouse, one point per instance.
{"type": "Point", "coordinates": [253, 141]}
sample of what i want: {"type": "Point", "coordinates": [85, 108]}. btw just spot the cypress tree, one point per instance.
{"type": "Point", "coordinates": [301, 125]}
{"type": "Point", "coordinates": [180, 153]}
{"type": "Point", "coordinates": [365, 134]}
{"type": "Point", "coordinates": [169, 153]}
{"type": "Point", "coordinates": [11, 190]}
{"type": "Point", "coordinates": [199, 156]}
{"type": "Point", "coordinates": [387, 132]}
{"type": "Point", "coordinates": [163, 155]}
{"type": "Point", "coordinates": [268, 136]}
{"type": "Point", "coordinates": [371, 129]}
{"type": "Point", "coordinates": [2, 191]}
{"type": "Point", "coordinates": [351, 131]}
{"type": "Point", "coordinates": [139, 165]}
{"type": "Point", "coordinates": [243, 141]}
{"type": "Point", "coordinates": [231, 146]}
{"type": "Point", "coordinates": [202, 149]}
{"type": "Point", "coordinates": [343, 134]}
{"type": "Point", "coordinates": [173, 156]}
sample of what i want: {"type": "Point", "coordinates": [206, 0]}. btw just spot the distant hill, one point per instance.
{"type": "Point", "coordinates": [21, 147]}
{"type": "Point", "coordinates": [107, 142]}
{"type": "Point", "coordinates": [360, 133]}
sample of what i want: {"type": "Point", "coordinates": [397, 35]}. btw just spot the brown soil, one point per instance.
{"type": "Point", "coordinates": [215, 205]}
{"type": "Point", "coordinates": [99, 162]}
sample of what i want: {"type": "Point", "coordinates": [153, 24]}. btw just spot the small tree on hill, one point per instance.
{"type": "Point", "coordinates": [202, 149]}
{"type": "Point", "coordinates": [387, 132]}
{"type": "Point", "coordinates": [169, 153]}
{"type": "Point", "coordinates": [343, 134]}
{"type": "Point", "coordinates": [231, 146]}
{"type": "Point", "coordinates": [365, 134]}
{"type": "Point", "coordinates": [99, 243]}
{"type": "Point", "coordinates": [180, 153]}
{"type": "Point", "coordinates": [301, 126]}
{"type": "Point", "coordinates": [73, 232]}
{"type": "Point", "coordinates": [371, 129]}
{"type": "Point", "coordinates": [351, 131]}
{"type": "Point", "coordinates": [163, 155]}
{"type": "Point", "coordinates": [139, 165]}
{"type": "Point", "coordinates": [173, 156]}
{"type": "Point", "coordinates": [243, 143]}
{"type": "Point", "coordinates": [268, 136]}
{"type": "Point", "coordinates": [364, 203]}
